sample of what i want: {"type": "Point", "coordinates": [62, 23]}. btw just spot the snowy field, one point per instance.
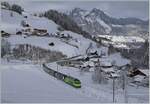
{"type": "Point", "coordinates": [28, 83]}
{"type": "Point", "coordinates": [24, 82]}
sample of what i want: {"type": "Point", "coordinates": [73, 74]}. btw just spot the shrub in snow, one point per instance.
{"type": "Point", "coordinates": [51, 44]}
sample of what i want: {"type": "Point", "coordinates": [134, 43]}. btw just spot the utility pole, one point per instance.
{"type": "Point", "coordinates": [57, 67]}
{"type": "Point", "coordinates": [125, 83]}
{"type": "Point", "coordinates": [125, 88]}
{"type": "Point", "coordinates": [100, 72]}
{"type": "Point", "coordinates": [113, 90]}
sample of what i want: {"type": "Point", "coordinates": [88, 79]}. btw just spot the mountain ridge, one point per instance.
{"type": "Point", "coordinates": [96, 22]}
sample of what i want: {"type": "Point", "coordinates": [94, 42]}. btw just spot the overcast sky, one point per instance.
{"type": "Point", "coordinates": [122, 8]}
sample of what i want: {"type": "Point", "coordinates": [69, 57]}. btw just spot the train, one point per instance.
{"type": "Point", "coordinates": [65, 78]}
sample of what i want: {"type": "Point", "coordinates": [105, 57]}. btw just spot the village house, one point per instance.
{"type": "Point", "coordinates": [4, 34]}
{"type": "Point", "coordinates": [139, 76]}
{"type": "Point", "coordinates": [135, 71]}
{"type": "Point", "coordinates": [40, 32]}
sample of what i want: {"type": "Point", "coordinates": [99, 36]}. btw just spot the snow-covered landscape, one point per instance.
{"type": "Point", "coordinates": [31, 85]}
{"type": "Point", "coordinates": [101, 63]}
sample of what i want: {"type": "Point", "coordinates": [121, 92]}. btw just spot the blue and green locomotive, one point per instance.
{"type": "Point", "coordinates": [67, 79]}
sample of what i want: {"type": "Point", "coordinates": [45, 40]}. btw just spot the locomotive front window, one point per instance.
{"type": "Point", "coordinates": [77, 81]}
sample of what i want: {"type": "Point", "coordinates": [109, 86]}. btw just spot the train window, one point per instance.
{"type": "Point", "coordinates": [77, 81]}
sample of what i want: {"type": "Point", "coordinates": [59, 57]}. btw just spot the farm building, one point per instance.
{"type": "Point", "coordinates": [40, 32]}
{"type": "Point", "coordinates": [139, 76]}
{"type": "Point", "coordinates": [135, 71]}
{"type": "Point", "coordinates": [4, 34]}
{"type": "Point", "coordinates": [108, 70]}
{"type": "Point", "coordinates": [105, 64]}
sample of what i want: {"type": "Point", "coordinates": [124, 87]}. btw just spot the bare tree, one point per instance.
{"type": "Point", "coordinates": [5, 47]}
{"type": "Point", "coordinates": [98, 75]}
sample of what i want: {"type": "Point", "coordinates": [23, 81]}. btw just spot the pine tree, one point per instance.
{"type": "Point", "coordinates": [17, 8]}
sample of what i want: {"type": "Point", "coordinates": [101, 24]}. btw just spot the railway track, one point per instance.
{"type": "Point", "coordinates": [74, 82]}
{"type": "Point", "coordinates": [63, 77]}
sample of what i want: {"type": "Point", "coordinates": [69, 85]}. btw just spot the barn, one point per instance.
{"type": "Point", "coordinates": [40, 32]}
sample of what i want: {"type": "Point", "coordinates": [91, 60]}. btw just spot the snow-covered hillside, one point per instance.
{"type": "Point", "coordinates": [43, 42]}
{"type": "Point", "coordinates": [42, 23]}
{"type": "Point", "coordinates": [11, 22]}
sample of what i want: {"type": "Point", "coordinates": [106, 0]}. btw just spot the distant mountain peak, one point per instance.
{"type": "Point", "coordinates": [96, 10]}
{"type": "Point", "coordinates": [96, 21]}
{"type": "Point", "coordinates": [78, 10]}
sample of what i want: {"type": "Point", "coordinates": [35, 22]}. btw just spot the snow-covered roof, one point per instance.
{"type": "Point", "coordinates": [108, 70]}
{"type": "Point", "coordinates": [94, 59]}
{"type": "Point", "coordinates": [92, 50]}
{"type": "Point", "coordinates": [25, 13]}
{"type": "Point", "coordinates": [90, 63]}
{"type": "Point", "coordinates": [114, 75]}
{"type": "Point", "coordinates": [105, 63]}
{"type": "Point", "coordinates": [146, 71]}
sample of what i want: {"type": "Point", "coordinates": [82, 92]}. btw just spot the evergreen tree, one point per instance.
{"type": "Point", "coordinates": [17, 8]}
{"type": "Point", "coordinates": [6, 4]}
{"type": "Point", "coordinates": [65, 22]}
